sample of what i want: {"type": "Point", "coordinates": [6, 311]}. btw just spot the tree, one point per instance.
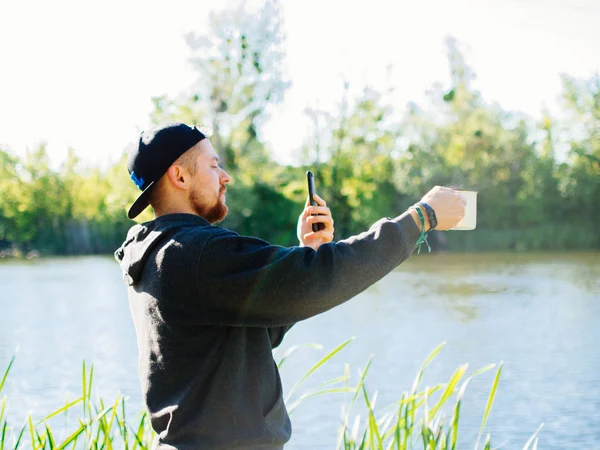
{"type": "Point", "coordinates": [239, 65]}
{"type": "Point", "coordinates": [581, 177]}
{"type": "Point", "coordinates": [10, 187]}
{"type": "Point", "coordinates": [355, 169]}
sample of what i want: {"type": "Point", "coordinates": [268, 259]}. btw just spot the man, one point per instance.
{"type": "Point", "coordinates": [209, 305]}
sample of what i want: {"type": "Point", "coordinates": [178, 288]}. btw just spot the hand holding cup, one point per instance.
{"type": "Point", "coordinates": [449, 206]}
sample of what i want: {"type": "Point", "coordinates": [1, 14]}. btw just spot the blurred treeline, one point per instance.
{"type": "Point", "coordinates": [538, 182]}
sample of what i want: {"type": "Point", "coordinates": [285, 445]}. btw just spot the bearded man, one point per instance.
{"type": "Point", "coordinates": [209, 305]}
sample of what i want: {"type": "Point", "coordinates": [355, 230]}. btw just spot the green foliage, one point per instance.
{"type": "Point", "coordinates": [72, 210]}
{"type": "Point", "coordinates": [369, 160]}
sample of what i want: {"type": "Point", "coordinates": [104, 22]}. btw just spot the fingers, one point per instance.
{"type": "Point", "coordinates": [323, 235]}
{"type": "Point", "coordinates": [327, 220]}
{"type": "Point", "coordinates": [323, 210]}
{"type": "Point", "coordinates": [449, 206]}
{"type": "Point", "coordinates": [319, 200]}
{"type": "Point", "coordinates": [316, 214]}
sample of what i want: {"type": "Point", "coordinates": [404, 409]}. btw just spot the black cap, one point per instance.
{"type": "Point", "coordinates": [152, 155]}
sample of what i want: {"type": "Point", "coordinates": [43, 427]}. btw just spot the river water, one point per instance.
{"type": "Point", "coordinates": [539, 314]}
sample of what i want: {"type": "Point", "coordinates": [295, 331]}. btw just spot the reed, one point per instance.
{"type": "Point", "coordinates": [98, 425]}
{"type": "Point", "coordinates": [417, 420]}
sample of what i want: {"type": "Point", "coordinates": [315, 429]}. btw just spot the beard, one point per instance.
{"type": "Point", "coordinates": [213, 213]}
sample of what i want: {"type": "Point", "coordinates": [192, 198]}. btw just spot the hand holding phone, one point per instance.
{"type": "Point", "coordinates": [311, 192]}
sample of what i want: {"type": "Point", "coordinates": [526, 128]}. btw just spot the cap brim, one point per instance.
{"type": "Point", "coordinates": [141, 203]}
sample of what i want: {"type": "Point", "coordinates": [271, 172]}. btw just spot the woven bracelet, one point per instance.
{"type": "Point", "coordinates": [430, 215]}
{"type": "Point", "coordinates": [423, 237]}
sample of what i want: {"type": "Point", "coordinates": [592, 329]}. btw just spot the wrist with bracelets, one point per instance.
{"type": "Point", "coordinates": [430, 214]}
{"type": "Point", "coordinates": [432, 223]}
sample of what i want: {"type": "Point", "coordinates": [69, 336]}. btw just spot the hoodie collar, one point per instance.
{"type": "Point", "coordinates": [143, 238]}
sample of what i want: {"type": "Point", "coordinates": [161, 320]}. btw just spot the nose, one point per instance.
{"type": "Point", "coordinates": [225, 178]}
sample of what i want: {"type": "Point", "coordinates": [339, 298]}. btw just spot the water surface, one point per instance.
{"type": "Point", "coordinates": [537, 313]}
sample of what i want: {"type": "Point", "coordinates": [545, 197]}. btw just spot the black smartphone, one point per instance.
{"type": "Point", "coordinates": [310, 178]}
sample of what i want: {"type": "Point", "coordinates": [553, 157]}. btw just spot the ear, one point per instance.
{"type": "Point", "coordinates": [178, 176]}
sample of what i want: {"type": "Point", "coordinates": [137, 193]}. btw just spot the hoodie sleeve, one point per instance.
{"type": "Point", "coordinates": [244, 281]}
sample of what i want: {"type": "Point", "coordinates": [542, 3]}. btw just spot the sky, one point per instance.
{"type": "Point", "coordinates": [79, 74]}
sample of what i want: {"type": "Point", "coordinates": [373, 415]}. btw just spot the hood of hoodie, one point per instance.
{"type": "Point", "coordinates": [143, 238]}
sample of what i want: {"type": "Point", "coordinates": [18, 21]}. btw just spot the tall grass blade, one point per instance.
{"type": "Point", "coordinates": [5, 376]}
{"type": "Point", "coordinates": [31, 430]}
{"type": "Point", "coordinates": [426, 408]}
{"type": "Point", "coordinates": [532, 438]}
{"type": "Point", "coordinates": [428, 360]}
{"type": "Point", "coordinates": [122, 426]}
{"type": "Point", "coordinates": [50, 437]}
{"type": "Point", "coordinates": [84, 387]}
{"type": "Point", "coordinates": [438, 426]}
{"type": "Point", "coordinates": [411, 407]}
{"type": "Point", "coordinates": [20, 436]}
{"type": "Point", "coordinates": [490, 401]}
{"type": "Point", "coordinates": [443, 441]}
{"type": "Point", "coordinates": [139, 435]}
{"type": "Point", "coordinates": [384, 423]}
{"type": "Point", "coordinates": [292, 349]}
{"type": "Point", "coordinates": [3, 408]}
{"type": "Point", "coordinates": [101, 419]}
{"type": "Point", "coordinates": [73, 437]}
{"type": "Point", "coordinates": [361, 381]}
{"type": "Point", "coordinates": [363, 441]}
{"type": "Point", "coordinates": [355, 428]}
{"type": "Point", "coordinates": [319, 390]}
{"type": "Point", "coordinates": [322, 361]}
{"type": "Point", "coordinates": [488, 443]}
{"type": "Point", "coordinates": [60, 410]}
{"type": "Point", "coordinates": [425, 432]}
{"type": "Point", "coordinates": [397, 429]}
{"type": "Point", "coordinates": [413, 398]}
{"type": "Point", "coordinates": [452, 436]}
{"type": "Point", "coordinates": [456, 415]}
{"type": "Point", "coordinates": [374, 436]}
{"type": "Point", "coordinates": [138, 440]}
{"type": "Point", "coordinates": [103, 413]}
{"type": "Point", "coordinates": [107, 435]}
{"type": "Point", "coordinates": [307, 395]}
{"type": "Point", "coordinates": [456, 377]}
{"type": "Point", "coordinates": [3, 435]}
{"type": "Point", "coordinates": [483, 370]}
{"type": "Point", "coordinates": [408, 427]}
{"type": "Point", "coordinates": [488, 406]}
{"type": "Point", "coordinates": [91, 380]}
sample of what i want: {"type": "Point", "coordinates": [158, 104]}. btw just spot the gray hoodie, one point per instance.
{"type": "Point", "coordinates": [209, 306]}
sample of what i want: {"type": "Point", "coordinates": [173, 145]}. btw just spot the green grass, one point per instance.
{"type": "Point", "coordinates": [98, 425]}
{"type": "Point", "coordinates": [425, 418]}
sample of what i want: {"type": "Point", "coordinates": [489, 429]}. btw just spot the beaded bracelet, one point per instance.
{"type": "Point", "coordinates": [423, 237]}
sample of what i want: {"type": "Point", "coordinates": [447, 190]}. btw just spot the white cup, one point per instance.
{"type": "Point", "coordinates": [469, 221]}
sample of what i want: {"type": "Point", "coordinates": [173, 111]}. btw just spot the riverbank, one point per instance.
{"type": "Point", "coordinates": [544, 238]}
{"type": "Point", "coordinates": [15, 253]}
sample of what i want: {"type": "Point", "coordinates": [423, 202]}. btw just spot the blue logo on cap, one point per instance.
{"type": "Point", "coordinates": [139, 181]}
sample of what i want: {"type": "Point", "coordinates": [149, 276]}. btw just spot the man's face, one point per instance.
{"type": "Point", "coordinates": [207, 195]}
